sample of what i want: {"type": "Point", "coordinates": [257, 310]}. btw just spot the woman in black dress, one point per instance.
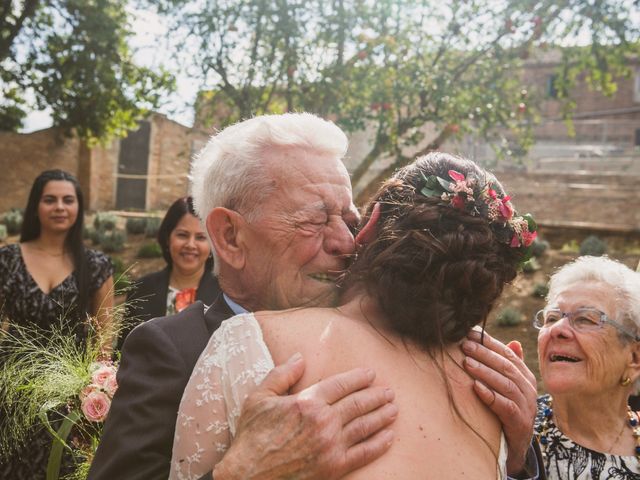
{"type": "Point", "coordinates": [50, 278]}
{"type": "Point", "coordinates": [187, 276]}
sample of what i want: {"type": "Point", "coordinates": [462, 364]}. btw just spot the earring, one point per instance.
{"type": "Point", "coordinates": [625, 382]}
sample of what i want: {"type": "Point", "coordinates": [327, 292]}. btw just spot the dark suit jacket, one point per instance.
{"type": "Point", "coordinates": [157, 359]}
{"type": "Point", "coordinates": [148, 298]}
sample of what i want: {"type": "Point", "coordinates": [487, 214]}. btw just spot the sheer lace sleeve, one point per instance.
{"type": "Point", "coordinates": [234, 362]}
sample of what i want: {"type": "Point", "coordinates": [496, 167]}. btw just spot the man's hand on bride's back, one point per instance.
{"type": "Point", "coordinates": [323, 432]}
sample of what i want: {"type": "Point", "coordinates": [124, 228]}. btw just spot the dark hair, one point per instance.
{"type": "Point", "coordinates": [73, 241]}
{"type": "Point", "coordinates": [435, 270]}
{"type": "Point", "coordinates": [176, 211]}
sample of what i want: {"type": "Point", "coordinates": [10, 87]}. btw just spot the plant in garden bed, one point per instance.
{"type": "Point", "coordinates": [13, 221]}
{"type": "Point", "coordinates": [136, 225]}
{"type": "Point", "coordinates": [509, 317]}
{"type": "Point", "coordinates": [150, 250]}
{"type": "Point", "coordinates": [594, 246]}
{"type": "Point", "coordinates": [540, 290]}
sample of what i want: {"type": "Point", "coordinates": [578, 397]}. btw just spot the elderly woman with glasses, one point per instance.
{"type": "Point", "coordinates": [589, 353]}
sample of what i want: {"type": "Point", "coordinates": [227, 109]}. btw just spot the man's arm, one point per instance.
{"type": "Point", "coordinates": [138, 433]}
{"type": "Point", "coordinates": [508, 388]}
{"type": "Point", "coordinates": [322, 432]}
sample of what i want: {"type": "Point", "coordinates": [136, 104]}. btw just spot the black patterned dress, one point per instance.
{"type": "Point", "coordinates": [24, 303]}
{"type": "Point", "coordinates": [566, 460]}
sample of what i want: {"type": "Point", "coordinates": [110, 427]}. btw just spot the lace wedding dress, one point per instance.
{"type": "Point", "coordinates": [234, 362]}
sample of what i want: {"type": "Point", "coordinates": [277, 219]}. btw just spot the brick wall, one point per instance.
{"type": "Point", "coordinates": [171, 148]}
{"type": "Point", "coordinates": [24, 156]}
{"type": "Point", "coordinates": [620, 111]}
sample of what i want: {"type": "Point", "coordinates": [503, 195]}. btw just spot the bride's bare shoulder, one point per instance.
{"type": "Point", "coordinates": [310, 331]}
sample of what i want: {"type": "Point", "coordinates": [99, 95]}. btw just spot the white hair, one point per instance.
{"type": "Point", "coordinates": [230, 171]}
{"type": "Point", "coordinates": [624, 282]}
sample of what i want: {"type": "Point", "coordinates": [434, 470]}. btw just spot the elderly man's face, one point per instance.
{"type": "Point", "coordinates": [301, 241]}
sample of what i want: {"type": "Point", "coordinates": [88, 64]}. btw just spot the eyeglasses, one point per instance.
{"type": "Point", "coordinates": [581, 320]}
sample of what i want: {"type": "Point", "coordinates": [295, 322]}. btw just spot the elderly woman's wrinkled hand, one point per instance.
{"type": "Point", "coordinates": [507, 386]}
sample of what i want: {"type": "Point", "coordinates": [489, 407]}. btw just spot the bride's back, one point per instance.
{"type": "Point", "coordinates": [431, 439]}
{"type": "Point", "coordinates": [441, 241]}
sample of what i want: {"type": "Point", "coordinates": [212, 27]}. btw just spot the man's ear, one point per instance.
{"type": "Point", "coordinates": [225, 230]}
{"type": "Point", "coordinates": [369, 231]}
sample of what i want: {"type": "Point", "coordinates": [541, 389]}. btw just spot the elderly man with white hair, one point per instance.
{"type": "Point", "coordinates": [276, 201]}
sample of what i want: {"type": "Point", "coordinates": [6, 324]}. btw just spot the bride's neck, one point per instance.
{"type": "Point", "coordinates": [357, 303]}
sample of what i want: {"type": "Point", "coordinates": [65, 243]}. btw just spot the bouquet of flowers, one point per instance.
{"type": "Point", "coordinates": [49, 378]}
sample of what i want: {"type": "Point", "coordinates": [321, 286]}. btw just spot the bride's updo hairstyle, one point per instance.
{"type": "Point", "coordinates": [436, 267]}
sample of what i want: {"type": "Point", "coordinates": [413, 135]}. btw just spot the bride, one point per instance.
{"type": "Point", "coordinates": [440, 241]}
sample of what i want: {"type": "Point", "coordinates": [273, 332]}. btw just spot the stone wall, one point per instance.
{"type": "Point", "coordinates": [591, 202]}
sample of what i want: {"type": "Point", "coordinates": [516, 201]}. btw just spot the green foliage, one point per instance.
{"type": "Point", "coordinates": [539, 248]}
{"type": "Point", "coordinates": [74, 57]}
{"type": "Point", "coordinates": [150, 250]}
{"type": "Point", "coordinates": [105, 221]}
{"type": "Point", "coordinates": [136, 225]}
{"type": "Point", "coordinates": [153, 225]}
{"type": "Point", "coordinates": [540, 290]}
{"type": "Point", "coordinates": [592, 245]}
{"type": "Point", "coordinates": [112, 241]}
{"type": "Point", "coordinates": [3, 233]}
{"type": "Point", "coordinates": [121, 277]}
{"type": "Point", "coordinates": [531, 265]}
{"type": "Point", "coordinates": [509, 317]}
{"type": "Point", "coordinates": [395, 66]}
{"type": "Point", "coordinates": [13, 221]}
{"type": "Point", "coordinates": [570, 247]}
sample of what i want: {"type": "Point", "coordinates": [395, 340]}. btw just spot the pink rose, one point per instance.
{"type": "Point", "coordinates": [95, 406]}
{"type": "Point", "coordinates": [105, 378]}
{"type": "Point", "coordinates": [89, 389]}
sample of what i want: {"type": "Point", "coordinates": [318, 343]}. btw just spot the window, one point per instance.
{"type": "Point", "coordinates": [552, 91]}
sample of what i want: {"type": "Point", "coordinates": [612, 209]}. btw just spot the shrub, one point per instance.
{"type": "Point", "coordinates": [539, 247]}
{"type": "Point", "coordinates": [150, 250]}
{"type": "Point", "coordinates": [592, 245]}
{"type": "Point", "coordinates": [104, 221]}
{"type": "Point", "coordinates": [121, 279]}
{"type": "Point", "coordinates": [3, 233]}
{"type": "Point", "coordinates": [13, 221]}
{"type": "Point", "coordinates": [540, 290]}
{"type": "Point", "coordinates": [530, 265]}
{"type": "Point", "coordinates": [509, 317]}
{"type": "Point", "coordinates": [136, 225]}
{"type": "Point", "coordinates": [153, 225]}
{"type": "Point", "coordinates": [571, 247]}
{"type": "Point", "coordinates": [112, 240]}
{"type": "Point", "coordinates": [94, 235]}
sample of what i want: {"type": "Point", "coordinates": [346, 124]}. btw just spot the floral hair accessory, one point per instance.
{"type": "Point", "coordinates": [480, 199]}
